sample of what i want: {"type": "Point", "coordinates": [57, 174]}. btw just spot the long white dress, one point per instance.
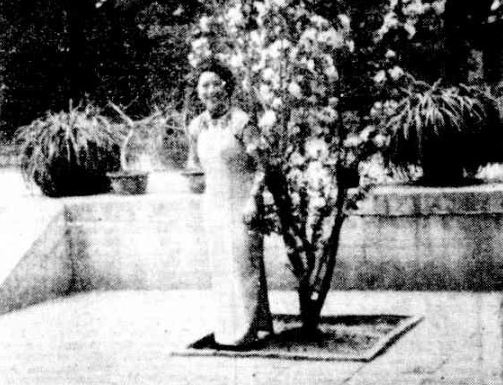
{"type": "Point", "coordinates": [235, 252]}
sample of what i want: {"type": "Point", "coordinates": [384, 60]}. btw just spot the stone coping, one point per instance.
{"type": "Point", "coordinates": [407, 200]}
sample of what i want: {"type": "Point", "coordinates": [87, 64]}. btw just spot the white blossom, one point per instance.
{"type": "Point", "coordinates": [257, 38]}
{"type": "Point", "coordinates": [204, 24]}
{"type": "Point", "coordinates": [251, 148]}
{"type": "Point", "coordinates": [315, 174]}
{"type": "Point", "coordinates": [268, 198]}
{"type": "Point", "coordinates": [411, 30]}
{"type": "Point", "coordinates": [280, 3]}
{"type": "Point", "coordinates": [245, 83]}
{"type": "Point", "coordinates": [297, 160]}
{"type": "Point", "coordinates": [261, 9]}
{"type": "Point", "coordinates": [438, 6]}
{"type": "Point", "coordinates": [295, 198]}
{"type": "Point", "coordinates": [276, 49]}
{"type": "Point", "coordinates": [201, 47]}
{"type": "Point", "coordinates": [236, 60]}
{"type": "Point", "coordinates": [331, 72]}
{"type": "Point", "coordinates": [365, 133]}
{"type": "Point", "coordinates": [380, 140]}
{"type": "Point", "coordinates": [266, 94]}
{"type": "Point", "coordinates": [390, 54]}
{"type": "Point", "coordinates": [295, 90]}
{"type": "Point", "coordinates": [318, 202]}
{"type": "Point", "coordinates": [333, 101]}
{"type": "Point", "coordinates": [416, 8]}
{"type": "Point", "coordinates": [277, 103]}
{"type": "Point", "coordinates": [268, 74]}
{"type": "Point", "coordinates": [315, 147]}
{"type": "Point", "coordinates": [380, 77]}
{"type": "Point", "coordinates": [328, 114]}
{"type": "Point", "coordinates": [309, 35]}
{"type": "Point", "coordinates": [193, 60]}
{"type": "Point", "coordinates": [268, 120]}
{"type": "Point", "coordinates": [391, 20]}
{"type": "Point", "coordinates": [345, 21]}
{"type": "Point", "coordinates": [310, 64]}
{"type": "Point", "coordinates": [352, 141]}
{"type": "Point", "coordinates": [331, 37]}
{"type": "Point", "coordinates": [319, 21]}
{"type": "Point", "coordinates": [272, 77]}
{"type": "Point", "coordinates": [234, 15]}
{"type": "Point", "coordinates": [396, 73]}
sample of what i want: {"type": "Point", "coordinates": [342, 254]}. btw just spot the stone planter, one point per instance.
{"type": "Point", "coordinates": [129, 182]}
{"type": "Point", "coordinates": [196, 180]}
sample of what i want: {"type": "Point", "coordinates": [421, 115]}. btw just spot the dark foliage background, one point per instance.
{"type": "Point", "coordinates": [134, 52]}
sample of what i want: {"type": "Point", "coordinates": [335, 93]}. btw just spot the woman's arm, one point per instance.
{"type": "Point", "coordinates": [250, 140]}
{"type": "Point", "coordinates": [193, 162]}
{"type": "Point", "coordinates": [194, 172]}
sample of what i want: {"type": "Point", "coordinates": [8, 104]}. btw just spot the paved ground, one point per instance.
{"type": "Point", "coordinates": [126, 337]}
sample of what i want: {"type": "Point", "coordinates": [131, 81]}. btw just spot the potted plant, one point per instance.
{"type": "Point", "coordinates": [132, 177]}
{"type": "Point", "coordinates": [447, 131]}
{"type": "Point", "coordinates": [195, 177]}
{"type": "Point", "coordinates": [69, 153]}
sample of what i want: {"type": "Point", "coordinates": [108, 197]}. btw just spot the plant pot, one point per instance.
{"type": "Point", "coordinates": [129, 182]}
{"type": "Point", "coordinates": [196, 180]}
{"type": "Point", "coordinates": [67, 183]}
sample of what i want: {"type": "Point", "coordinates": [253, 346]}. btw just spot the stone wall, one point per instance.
{"type": "Point", "coordinates": [403, 238]}
{"type": "Point", "coordinates": [138, 242]}
{"type": "Point", "coordinates": [34, 264]}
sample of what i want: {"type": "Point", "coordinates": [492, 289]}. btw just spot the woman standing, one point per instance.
{"type": "Point", "coordinates": [218, 139]}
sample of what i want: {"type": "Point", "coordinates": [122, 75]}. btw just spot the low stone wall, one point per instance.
{"type": "Point", "coordinates": [412, 238]}
{"type": "Point", "coordinates": [34, 265]}
{"type": "Point", "coordinates": [403, 238]}
{"type": "Point", "coordinates": [146, 242]}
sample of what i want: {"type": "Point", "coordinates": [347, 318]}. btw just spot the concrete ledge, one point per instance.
{"type": "Point", "coordinates": [34, 262]}
{"type": "Point", "coordinates": [147, 242]}
{"type": "Point", "coordinates": [402, 238]}
{"type": "Point", "coordinates": [403, 200]}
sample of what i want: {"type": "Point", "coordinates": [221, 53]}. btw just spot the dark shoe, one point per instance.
{"type": "Point", "coordinates": [207, 342]}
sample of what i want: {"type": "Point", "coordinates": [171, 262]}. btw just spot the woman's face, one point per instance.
{"type": "Point", "coordinates": [211, 91]}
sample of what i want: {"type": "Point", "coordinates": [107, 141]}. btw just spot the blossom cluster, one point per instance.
{"type": "Point", "coordinates": [406, 14]}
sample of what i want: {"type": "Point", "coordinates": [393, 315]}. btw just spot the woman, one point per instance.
{"type": "Point", "coordinates": [218, 138]}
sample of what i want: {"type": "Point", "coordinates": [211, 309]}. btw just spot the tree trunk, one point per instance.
{"type": "Point", "coordinates": [313, 293]}
{"type": "Point", "coordinates": [309, 310]}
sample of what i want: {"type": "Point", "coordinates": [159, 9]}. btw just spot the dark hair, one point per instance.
{"type": "Point", "coordinates": [224, 72]}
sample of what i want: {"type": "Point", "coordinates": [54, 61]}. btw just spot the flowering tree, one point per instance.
{"type": "Point", "coordinates": [287, 60]}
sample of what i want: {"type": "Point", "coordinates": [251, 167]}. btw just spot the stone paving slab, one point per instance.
{"type": "Point", "coordinates": [126, 337]}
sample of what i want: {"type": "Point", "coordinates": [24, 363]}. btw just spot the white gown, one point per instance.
{"type": "Point", "coordinates": [236, 254]}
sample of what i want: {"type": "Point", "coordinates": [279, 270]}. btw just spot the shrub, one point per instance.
{"type": "Point", "coordinates": [447, 131]}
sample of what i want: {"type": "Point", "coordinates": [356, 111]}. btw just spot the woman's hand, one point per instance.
{"type": "Point", "coordinates": [249, 212]}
